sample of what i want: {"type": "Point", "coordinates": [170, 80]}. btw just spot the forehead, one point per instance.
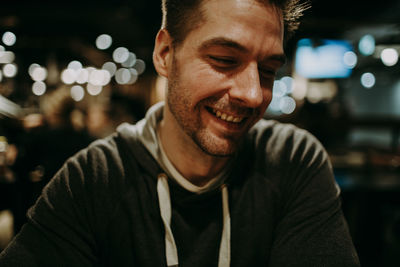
{"type": "Point", "coordinates": [254, 25]}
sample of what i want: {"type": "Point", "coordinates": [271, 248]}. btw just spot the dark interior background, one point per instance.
{"type": "Point", "coordinates": [367, 168]}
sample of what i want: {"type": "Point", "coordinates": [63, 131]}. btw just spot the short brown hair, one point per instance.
{"type": "Point", "coordinates": [182, 16]}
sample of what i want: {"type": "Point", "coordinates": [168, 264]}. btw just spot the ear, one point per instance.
{"type": "Point", "coordinates": [162, 54]}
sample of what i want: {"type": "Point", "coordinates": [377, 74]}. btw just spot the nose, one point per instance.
{"type": "Point", "coordinates": [247, 88]}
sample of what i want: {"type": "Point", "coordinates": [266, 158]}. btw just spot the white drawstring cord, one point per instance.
{"type": "Point", "coordinates": [225, 246]}
{"type": "Point", "coordinates": [171, 251]}
{"type": "Point", "coordinates": [164, 201]}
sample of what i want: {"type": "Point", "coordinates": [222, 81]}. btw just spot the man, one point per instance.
{"type": "Point", "coordinates": [198, 182]}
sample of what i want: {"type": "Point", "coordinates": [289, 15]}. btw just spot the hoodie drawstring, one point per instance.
{"type": "Point", "coordinates": [171, 251]}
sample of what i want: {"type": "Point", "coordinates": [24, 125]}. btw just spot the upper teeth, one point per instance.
{"type": "Point", "coordinates": [227, 117]}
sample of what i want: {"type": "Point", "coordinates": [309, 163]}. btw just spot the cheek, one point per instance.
{"type": "Point", "coordinates": [204, 82]}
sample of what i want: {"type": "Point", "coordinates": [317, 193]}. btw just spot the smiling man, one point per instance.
{"type": "Point", "coordinates": [220, 82]}
{"type": "Point", "coordinates": [202, 180]}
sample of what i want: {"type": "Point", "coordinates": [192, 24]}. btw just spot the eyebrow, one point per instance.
{"type": "Point", "coordinates": [229, 43]}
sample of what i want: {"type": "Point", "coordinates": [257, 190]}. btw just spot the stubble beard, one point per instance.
{"type": "Point", "coordinates": [190, 122]}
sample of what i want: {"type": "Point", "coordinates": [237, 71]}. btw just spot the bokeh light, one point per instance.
{"type": "Point", "coordinates": [75, 65]}
{"type": "Point", "coordinates": [130, 61]}
{"type": "Point", "coordinates": [9, 38]}
{"type": "Point", "coordinates": [300, 87]}
{"type": "Point", "coordinates": [110, 67]}
{"type": "Point", "coordinates": [123, 76]}
{"type": "Point", "coordinates": [10, 70]}
{"type": "Point", "coordinates": [366, 45]}
{"type": "Point", "coordinates": [106, 77]}
{"type": "Point", "coordinates": [99, 77]}
{"type": "Point", "coordinates": [82, 76]}
{"type": "Point", "coordinates": [90, 69]}
{"type": "Point", "coordinates": [103, 41]}
{"type": "Point", "coordinates": [7, 57]}
{"type": "Point", "coordinates": [289, 83]}
{"type": "Point", "coordinates": [39, 74]}
{"type": "Point", "coordinates": [314, 94]}
{"type": "Point", "coordinates": [140, 66]}
{"type": "Point", "coordinates": [77, 93]}
{"type": "Point", "coordinates": [389, 56]}
{"type": "Point", "coordinates": [281, 102]}
{"type": "Point", "coordinates": [350, 59]}
{"type": "Point", "coordinates": [368, 80]}
{"type": "Point", "coordinates": [68, 76]}
{"type": "Point", "coordinates": [121, 54]}
{"type": "Point", "coordinates": [134, 76]}
{"type": "Point", "coordinates": [287, 105]}
{"type": "Point", "coordinates": [274, 105]}
{"type": "Point", "coordinates": [32, 68]}
{"type": "Point", "coordinates": [38, 88]}
{"type": "Point", "coordinates": [94, 89]}
{"type": "Point", "coordinates": [279, 89]}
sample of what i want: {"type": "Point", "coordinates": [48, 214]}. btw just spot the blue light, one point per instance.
{"type": "Point", "coordinates": [367, 45]}
{"type": "Point", "coordinates": [322, 59]}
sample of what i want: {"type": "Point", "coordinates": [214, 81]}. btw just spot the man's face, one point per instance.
{"type": "Point", "coordinates": [221, 78]}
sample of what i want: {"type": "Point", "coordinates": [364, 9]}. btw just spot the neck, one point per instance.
{"type": "Point", "coordinates": [193, 163]}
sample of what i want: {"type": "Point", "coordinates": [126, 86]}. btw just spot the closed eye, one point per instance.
{"type": "Point", "coordinates": [223, 61]}
{"type": "Point", "coordinates": [267, 73]}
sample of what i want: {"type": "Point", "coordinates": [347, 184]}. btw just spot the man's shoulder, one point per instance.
{"type": "Point", "coordinates": [275, 131]}
{"type": "Point", "coordinates": [108, 166]}
{"type": "Point", "coordinates": [105, 154]}
{"type": "Point", "coordinates": [283, 141]}
{"type": "Point", "coordinates": [123, 137]}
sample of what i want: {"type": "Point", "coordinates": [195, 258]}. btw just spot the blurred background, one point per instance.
{"type": "Point", "coordinates": [71, 71]}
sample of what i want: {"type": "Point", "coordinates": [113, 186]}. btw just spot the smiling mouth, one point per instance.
{"type": "Point", "coordinates": [226, 117]}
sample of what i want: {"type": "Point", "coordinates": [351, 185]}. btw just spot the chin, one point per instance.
{"type": "Point", "coordinates": [216, 147]}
